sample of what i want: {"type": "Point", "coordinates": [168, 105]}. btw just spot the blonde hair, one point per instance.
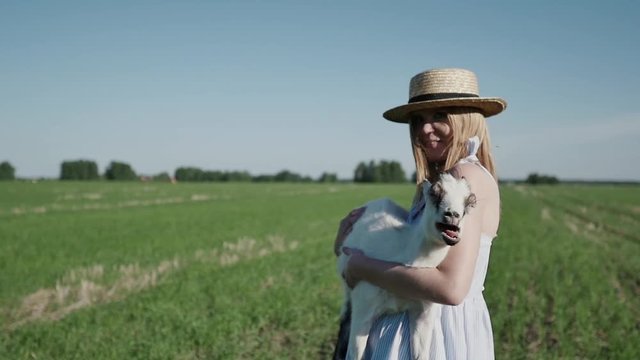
{"type": "Point", "coordinates": [465, 123]}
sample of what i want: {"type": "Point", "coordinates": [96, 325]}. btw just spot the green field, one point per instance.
{"type": "Point", "coordinates": [241, 271]}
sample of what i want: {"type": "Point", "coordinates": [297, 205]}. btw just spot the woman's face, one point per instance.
{"type": "Point", "coordinates": [434, 133]}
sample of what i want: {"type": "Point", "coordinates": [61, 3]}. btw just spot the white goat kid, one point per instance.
{"type": "Point", "coordinates": [383, 233]}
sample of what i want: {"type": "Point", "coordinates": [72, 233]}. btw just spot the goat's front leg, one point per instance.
{"type": "Point", "coordinates": [422, 324]}
{"type": "Point", "coordinates": [364, 307]}
{"type": "Point", "coordinates": [361, 321]}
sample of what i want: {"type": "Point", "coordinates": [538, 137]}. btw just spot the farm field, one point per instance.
{"type": "Point", "coordinates": [100, 270]}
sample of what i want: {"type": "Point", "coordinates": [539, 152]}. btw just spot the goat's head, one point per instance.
{"type": "Point", "coordinates": [450, 200]}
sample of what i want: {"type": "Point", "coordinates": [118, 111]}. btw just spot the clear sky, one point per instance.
{"type": "Point", "coordinates": [301, 85]}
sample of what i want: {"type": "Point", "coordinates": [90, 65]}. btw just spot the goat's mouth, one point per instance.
{"type": "Point", "coordinates": [449, 233]}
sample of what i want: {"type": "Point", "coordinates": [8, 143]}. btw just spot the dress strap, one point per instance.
{"type": "Point", "coordinates": [473, 145]}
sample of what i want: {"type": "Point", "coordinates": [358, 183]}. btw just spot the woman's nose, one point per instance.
{"type": "Point", "coordinates": [427, 127]}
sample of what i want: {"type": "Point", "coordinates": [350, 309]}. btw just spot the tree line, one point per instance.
{"type": "Point", "coordinates": [369, 172]}
{"type": "Point", "coordinates": [88, 170]}
{"type": "Point", "coordinates": [535, 179]}
{"type": "Point", "coordinates": [382, 171]}
{"type": "Point", "coordinates": [379, 172]}
{"type": "Point", "coordinates": [120, 171]}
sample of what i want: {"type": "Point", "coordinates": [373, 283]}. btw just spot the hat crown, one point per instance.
{"type": "Point", "coordinates": [444, 81]}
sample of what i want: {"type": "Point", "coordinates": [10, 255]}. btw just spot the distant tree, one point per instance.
{"type": "Point", "coordinates": [360, 173]}
{"type": "Point", "coordinates": [7, 172]}
{"type": "Point", "coordinates": [395, 173]}
{"type": "Point", "coordinates": [263, 178]}
{"type": "Point", "coordinates": [162, 177]}
{"type": "Point", "coordinates": [196, 174]}
{"type": "Point", "coordinates": [328, 178]}
{"type": "Point", "coordinates": [240, 176]}
{"type": "Point", "coordinates": [120, 171]}
{"type": "Point", "coordinates": [189, 174]}
{"type": "Point", "coordinates": [79, 170]}
{"type": "Point", "coordinates": [209, 175]}
{"type": "Point", "coordinates": [373, 172]}
{"type": "Point", "coordinates": [384, 171]}
{"type": "Point", "coordinates": [535, 178]}
{"type": "Point", "coordinates": [287, 176]}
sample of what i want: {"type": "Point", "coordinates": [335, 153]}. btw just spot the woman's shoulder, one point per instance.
{"type": "Point", "coordinates": [471, 170]}
{"type": "Point", "coordinates": [485, 187]}
{"type": "Point", "coordinates": [477, 176]}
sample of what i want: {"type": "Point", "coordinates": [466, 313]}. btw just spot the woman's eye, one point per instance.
{"type": "Point", "coordinates": [439, 116]}
{"type": "Point", "coordinates": [417, 119]}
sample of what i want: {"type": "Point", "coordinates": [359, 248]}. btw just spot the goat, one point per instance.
{"type": "Point", "coordinates": [384, 233]}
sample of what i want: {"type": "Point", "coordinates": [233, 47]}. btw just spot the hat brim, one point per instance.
{"type": "Point", "coordinates": [486, 106]}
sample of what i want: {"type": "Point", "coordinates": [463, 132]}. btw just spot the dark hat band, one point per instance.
{"type": "Point", "coordinates": [440, 96]}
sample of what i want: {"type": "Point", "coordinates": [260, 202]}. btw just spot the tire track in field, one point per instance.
{"type": "Point", "coordinates": [584, 229]}
{"type": "Point", "coordinates": [93, 285]}
{"type": "Point", "coordinates": [55, 207]}
{"type": "Point", "coordinates": [586, 205]}
{"type": "Point", "coordinates": [583, 216]}
{"type": "Point", "coordinates": [623, 279]}
{"type": "Point", "coordinates": [572, 223]}
{"type": "Point", "coordinates": [625, 283]}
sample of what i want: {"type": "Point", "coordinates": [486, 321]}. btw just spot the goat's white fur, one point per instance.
{"type": "Point", "coordinates": [383, 233]}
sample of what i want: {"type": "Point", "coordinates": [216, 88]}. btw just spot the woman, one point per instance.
{"type": "Point", "coordinates": [448, 131]}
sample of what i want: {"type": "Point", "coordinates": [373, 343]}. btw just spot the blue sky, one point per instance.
{"type": "Point", "coordinates": [265, 86]}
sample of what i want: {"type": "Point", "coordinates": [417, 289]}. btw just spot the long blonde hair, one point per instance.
{"type": "Point", "coordinates": [465, 123]}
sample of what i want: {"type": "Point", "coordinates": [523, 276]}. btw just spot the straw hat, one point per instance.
{"type": "Point", "coordinates": [443, 88]}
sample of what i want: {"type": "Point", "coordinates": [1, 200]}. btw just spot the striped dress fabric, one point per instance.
{"type": "Point", "coordinates": [462, 332]}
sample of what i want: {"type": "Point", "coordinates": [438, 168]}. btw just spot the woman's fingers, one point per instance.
{"type": "Point", "coordinates": [344, 230]}
{"type": "Point", "coordinates": [352, 251]}
{"type": "Point", "coordinates": [356, 213]}
{"type": "Point", "coordinates": [346, 226]}
{"type": "Point", "coordinates": [354, 255]}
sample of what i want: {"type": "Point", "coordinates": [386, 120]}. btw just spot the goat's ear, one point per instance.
{"type": "Point", "coordinates": [436, 192]}
{"type": "Point", "coordinates": [470, 201]}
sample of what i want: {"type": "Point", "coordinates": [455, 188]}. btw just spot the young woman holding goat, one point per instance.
{"type": "Point", "coordinates": [449, 134]}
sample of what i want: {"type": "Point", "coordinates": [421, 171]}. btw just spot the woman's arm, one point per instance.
{"type": "Point", "coordinates": [448, 283]}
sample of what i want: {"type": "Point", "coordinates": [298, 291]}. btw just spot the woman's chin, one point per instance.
{"type": "Point", "coordinates": [436, 158]}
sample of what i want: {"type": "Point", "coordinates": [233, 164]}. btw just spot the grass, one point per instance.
{"type": "Point", "coordinates": [240, 271]}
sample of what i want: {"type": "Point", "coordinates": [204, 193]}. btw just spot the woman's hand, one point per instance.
{"type": "Point", "coordinates": [346, 225]}
{"type": "Point", "coordinates": [356, 259]}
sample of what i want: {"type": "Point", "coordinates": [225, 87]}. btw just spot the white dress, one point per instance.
{"type": "Point", "coordinates": [462, 332]}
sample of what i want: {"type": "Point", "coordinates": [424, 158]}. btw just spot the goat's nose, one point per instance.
{"type": "Point", "coordinates": [454, 214]}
